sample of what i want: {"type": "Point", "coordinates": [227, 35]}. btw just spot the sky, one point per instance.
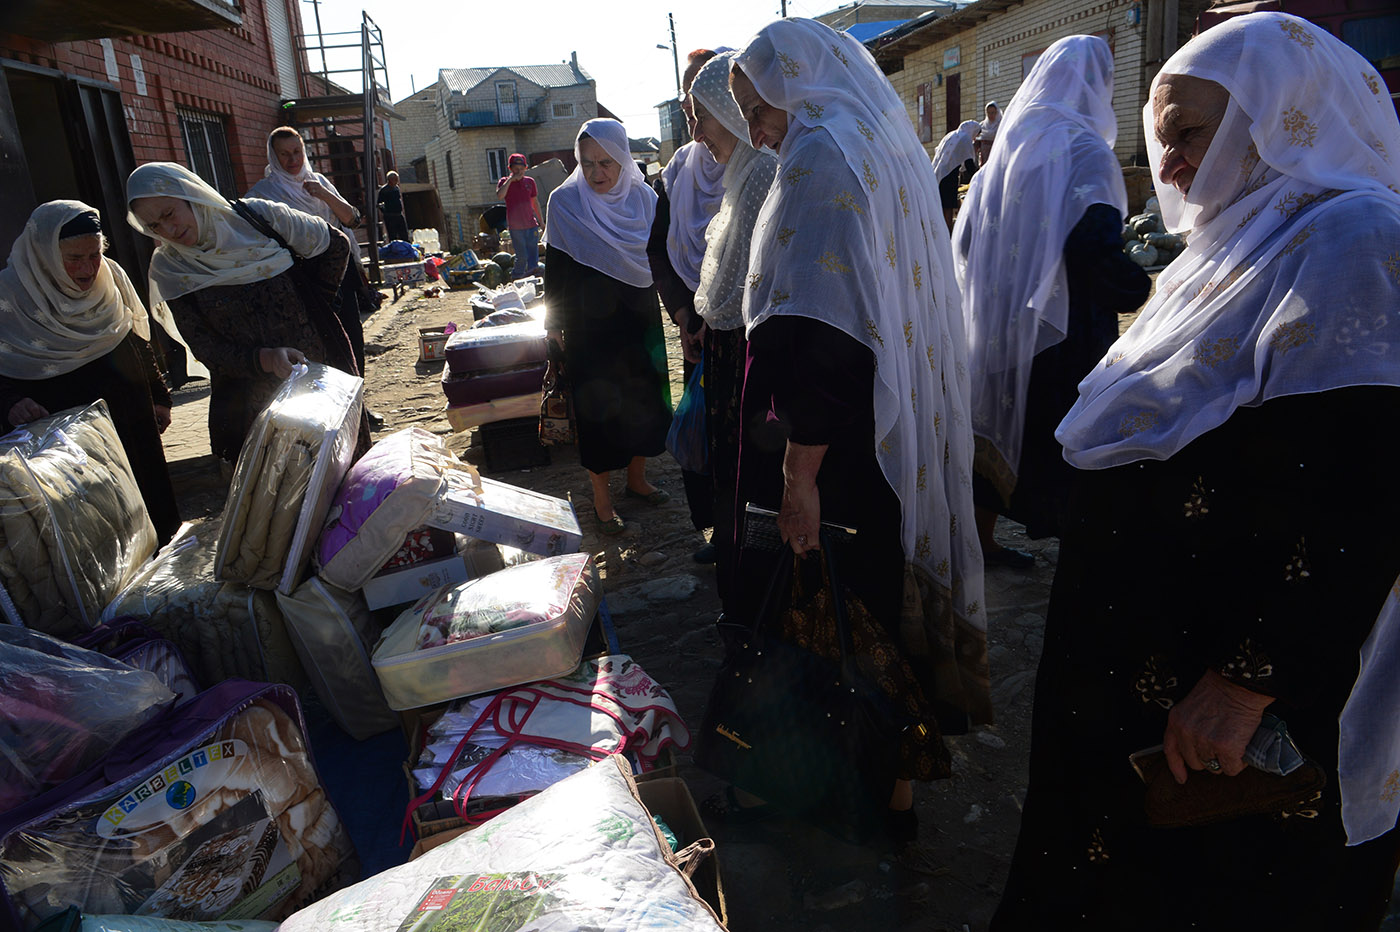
{"type": "Point", "coordinates": [616, 43]}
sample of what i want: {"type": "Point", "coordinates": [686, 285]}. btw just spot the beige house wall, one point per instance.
{"type": "Point", "coordinates": [419, 125]}
{"type": "Point", "coordinates": [926, 66]}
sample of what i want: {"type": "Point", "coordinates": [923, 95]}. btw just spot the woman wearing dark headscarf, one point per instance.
{"type": "Point", "coordinates": [247, 313]}
{"type": "Point", "coordinates": [75, 331]}
{"type": "Point", "coordinates": [1040, 261]}
{"type": "Point", "coordinates": [1234, 549]}
{"type": "Point", "coordinates": [602, 307]}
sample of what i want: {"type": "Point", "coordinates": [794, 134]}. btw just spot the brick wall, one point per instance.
{"type": "Point", "coordinates": [226, 72]}
{"type": "Point", "coordinates": [420, 124]}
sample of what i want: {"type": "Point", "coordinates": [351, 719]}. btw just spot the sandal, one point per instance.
{"type": "Point", "coordinates": [611, 527]}
{"type": "Point", "coordinates": [725, 807]}
{"type": "Point", "coordinates": [654, 497]}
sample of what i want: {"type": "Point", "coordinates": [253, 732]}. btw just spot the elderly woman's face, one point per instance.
{"type": "Point", "coordinates": [1186, 112]}
{"type": "Point", "coordinates": [291, 153]}
{"type": "Point", "coordinates": [82, 258]}
{"type": "Point", "coordinates": [993, 112]}
{"type": "Point", "coordinates": [767, 124]}
{"type": "Point", "coordinates": [600, 170]}
{"type": "Point", "coordinates": [713, 134]}
{"type": "Point", "coordinates": [168, 218]}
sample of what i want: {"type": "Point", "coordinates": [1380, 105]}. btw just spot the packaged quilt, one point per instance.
{"type": "Point", "coordinates": [506, 514]}
{"type": "Point", "coordinates": [136, 645]}
{"type": "Point", "coordinates": [297, 452]}
{"type": "Point", "coordinates": [464, 389]}
{"type": "Point", "coordinates": [214, 811]}
{"type": "Point", "coordinates": [73, 525]}
{"type": "Point", "coordinates": [478, 348]}
{"type": "Point", "coordinates": [524, 623]}
{"type": "Point", "coordinates": [62, 707]}
{"type": "Point", "coordinates": [223, 630]}
{"type": "Point", "coordinates": [584, 854]}
{"type": "Point", "coordinates": [333, 634]}
{"type": "Point", "coordinates": [383, 497]}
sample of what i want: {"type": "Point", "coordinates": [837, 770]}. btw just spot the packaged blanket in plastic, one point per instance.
{"type": "Point", "coordinates": [296, 454]}
{"type": "Point", "coordinates": [333, 634]}
{"type": "Point", "coordinates": [525, 623]}
{"type": "Point", "coordinates": [584, 854]}
{"type": "Point", "coordinates": [223, 630]}
{"type": "Point", "coordinates": [521, 740]}
{"type": "Point", "coordinates": [506, 514]}
{"type": "Point", "coordinates": [214, 811]}
{"type": "Point", "coordinates": [384, 496]}
{"type": "Point", "coordinates": [73, 525]}
{"type": "Point", "coordinates": [75, 921]}
{"type": "Point", "coordinates": [62, 707]}
{"type": "Point", "coordinates": [464, 389]}
{"type": "Point", "coordinates": [134, 644]}
{"type": "Point", "coordinates": [481, 348]}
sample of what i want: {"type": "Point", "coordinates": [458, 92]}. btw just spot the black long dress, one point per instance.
{"type": "Point", "coordinates": [1263, 550]}
{"type": "Point", "coordinates": [1103, 283]}
{"type": "Point", "coordinates": [128, 380]}
{"type": "Point", "coordinates": [614, 360]}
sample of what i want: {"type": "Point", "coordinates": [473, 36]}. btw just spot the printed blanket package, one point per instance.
{"type": "Point", "coordinates": [480, 349]}
{"type": "Point", "coordinates": [507, 514]}
{"type": "Point", "coordinates": [524, 623]}
{"type": "Point", "coordinates": [288, 471]}
{"type": "Point", "coordinates": [214, 811]}
{"type": "Point", "coordinates": [223, 630]}
{"type": "Point", "coordinates": [584, 854]}
{"type": "Point", "coordinates": [73, 525]}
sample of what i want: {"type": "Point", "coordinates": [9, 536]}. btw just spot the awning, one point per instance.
{"type": "Point", "coordinates": [68, 20]}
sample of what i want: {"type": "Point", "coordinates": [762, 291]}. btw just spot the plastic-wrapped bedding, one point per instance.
{"type": "Point", "coordinates": [73, 525]}
{"type": "Point", "coordinates": [479, 348]}
{"type": "Point", "coordinates": [96, 923]}
{"type": "Point", "coordinates": [62, 707]}
{"type": "Point", "coordinates": [384, 496]}
{"type": "Point", "coordinates": [212, 811]}
{"type": "Point", "coordinates": [524, 623]}
{"type": "Point", "coordinates": [224, 630]}
{"type": "Point", "coordinates": [134, 644]}
{"type": "Point", "coordinates": [473, 388]}
{"type": "Point", "coordinates": [296, 454]}
{"type": "Point", "coordinates": [584, 854]}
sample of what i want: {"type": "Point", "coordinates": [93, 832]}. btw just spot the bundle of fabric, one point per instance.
{"type": "Point", "coordinates": [213, 809]}
{"type": "Point", "coordinates": [290, 467]}
{"type": "Point", "coordinates": [519, 741]}
{"type": "Point", "coordinates": [62, 708]}
{"type": "Point", "coordinates": [536, 615]}
{"type": "Point", "coordinates": [73, 525]}
{"type": "Point", "coordinates": [224, 630]}
{"type": "Point", "coordinates": [583, 854]}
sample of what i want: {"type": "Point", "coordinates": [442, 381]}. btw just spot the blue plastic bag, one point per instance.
{"type": "Point", "coordinates": [687, 439]}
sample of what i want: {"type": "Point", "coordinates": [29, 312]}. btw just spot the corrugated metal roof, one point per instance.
{"type": "Point", "coordinates": [462, 80]}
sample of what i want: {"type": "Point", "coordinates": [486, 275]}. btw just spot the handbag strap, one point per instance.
{"type": "Point", "coordinates": [838, 598]}
{"type": "Point", "coordinates": [262, 226]}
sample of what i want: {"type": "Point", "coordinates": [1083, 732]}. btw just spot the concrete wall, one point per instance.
{"type": "Point", "coordinates": [420, 124]}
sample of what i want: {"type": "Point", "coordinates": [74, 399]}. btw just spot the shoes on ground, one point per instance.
{"type": "Point", "coordinates": [612, 526]}
{"type": "Point", "coordinates": [654, 497]}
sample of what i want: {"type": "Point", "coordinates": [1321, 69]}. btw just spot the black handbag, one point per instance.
{"type": "Point", "coordinates": [808, 734]}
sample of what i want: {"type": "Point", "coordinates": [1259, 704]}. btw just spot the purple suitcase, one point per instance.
{"type": "Point", "coordinates": [472, 388]}
{"type": "Point", "coordinates": [214, 809]}
{"type": "Point", "coordinates": [481, 348]}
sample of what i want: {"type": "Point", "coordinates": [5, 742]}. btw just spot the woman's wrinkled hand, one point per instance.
{"type": "Point", "coordinates": [163, 417]}
{"type": "Point", "coordinates": [693, 344]}
{"type": "Point", "coordinates": [26, 410]}
{"type": "Point", "coordinates": [280, 360]}
{"type": "Point", "coordinates": [800, 516]}
{"type": "Point", "coordinates": [1213, 724]}
{"type": "Point", "coordinates": [315, 189]}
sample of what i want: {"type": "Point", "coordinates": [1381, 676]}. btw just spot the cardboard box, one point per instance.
{"type": "Point", "coordinates": [669, 799]}
{"type": "Point", "coordinates": [411, 583]}
{"type": "Point", "coordinates": [465, 417]}
{"type": "Point", "coordinates": [432, 344]}
{"type": "Point", "coordinates": [507, 514]}
{"type": "Point", "coordinates": [403, 273]}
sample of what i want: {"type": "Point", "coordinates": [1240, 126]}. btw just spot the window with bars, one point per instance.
{"type": "Point", "coordinates": [496, 166]}
{"type": "Point", "coordinates": [206, 149]}
{"type": "Point", "coordinates": [451, 182]}
{"type": "Point", "coordinates": [563, 110]}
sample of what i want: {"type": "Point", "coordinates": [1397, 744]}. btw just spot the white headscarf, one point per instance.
{"type": "Point", "coordinates": [1053, 160]}
{"type": "Point", "coordinates": [607, 232]}
{"type": "Point", "coordinates": [851, 235]}
{"type": "Point", "coordinates": [694, 185]}
{"type": "Point", "coordinates": [280, 185]}
{"type": "Point", "coordinates": [229, 251]}
{"type": "Point", "coordinates": [748, 176]}
{"type": "Point", "coordinates": [989, 127]}
{"type": "Point", "coordinates": [954, 149]}
{"type": "Point", "coordinates": [1290, 284]}
{"type": "Point", "coordinates": [51, 326]}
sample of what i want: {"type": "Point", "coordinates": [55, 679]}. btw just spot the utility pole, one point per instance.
{"type": "Point", "coordinates": [675, 53]}
{"type": "Point", "coordinates": [784, 9]}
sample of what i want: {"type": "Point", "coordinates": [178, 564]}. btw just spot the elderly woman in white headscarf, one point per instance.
{"type": "Point", "coordinates": [289, 179]}
{"type": "Point", "coordinates": [602, 308]}
{"type": "Point", "coordinates": [719, 299]}
{"type": "Point", "coordinates": [1234, 547]}
{"type": "Point", "coordinates": [855, 405]}
{"type": "Point", "coordinates": [1040, 260]}
{"type": "Point", "coordinates": [76, 331]}
{"type": "Point", "coordinates": [688, 193]}
{"type": "Point", "coordinates": [953, 152]}
{"type": "Point", "coordinates": [235, 297]}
